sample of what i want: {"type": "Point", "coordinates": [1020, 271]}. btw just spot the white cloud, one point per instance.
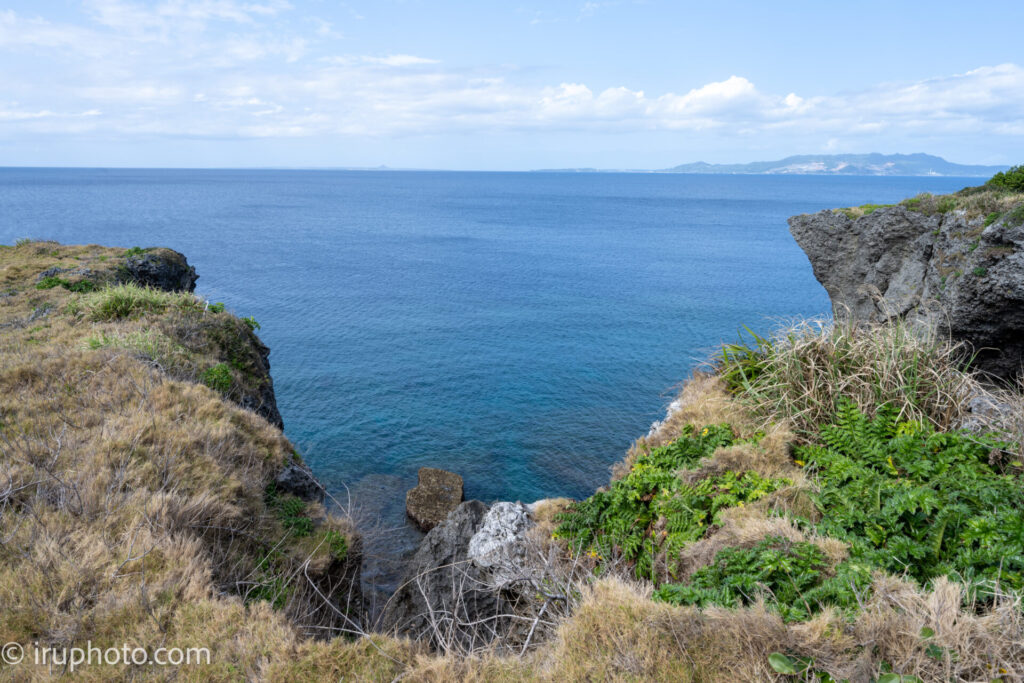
{"type": "Point", "coordinates": [399, 60]}
{"type": "Point", "coordinates": [230, 68]}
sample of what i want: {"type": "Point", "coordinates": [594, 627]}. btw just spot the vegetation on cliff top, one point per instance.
{"type": "Point", "coordinates": [999, 195]}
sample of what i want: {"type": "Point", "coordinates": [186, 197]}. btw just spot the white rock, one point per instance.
{"type": "Point", "coordinates": [500, 543]}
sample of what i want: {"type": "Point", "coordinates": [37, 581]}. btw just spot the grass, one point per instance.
{"type": "Point", "coordinates": [130, 300]}
{"type": "Point", "coordinates": [802, 372]}
{"type": "Point", "coordinates": [988, 202]}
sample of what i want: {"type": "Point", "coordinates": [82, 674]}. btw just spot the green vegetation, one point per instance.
{"type": "Point", "coordinates": [620, 522]}
{"type": "Point", "coordinates": [51, 281]}
{"type": "Point", "coordinates": [216, 308]}
{"type": "Point", "coordinates": [1011, 180]}
{"type": "Point", "coordinates": [980, 271]}
{"type": "Point", "coordinates": [930, 204]}
{"type": "Point", "coordinates": [863, 210]}
{"type": "Point", "coordinates": [291, 512]}
{"type": "Point", "coordinates": [131, 301]}
{"type": "Point", "coordinates": [149, 345]}
{"type": "Point", "coordinates": [907, 499]}
{"type": "Point", "coordinates": [218, 378]}
{"type": "Point", "coordinates": [916, 501]}
{"type": "Point", "coordinates": [251, 322]}
{"type": "Point", "coordinates": [795, 578]}
{"type": "Point", "coordinates": [337, 544]}
{"type": "Point", "coordinates": [135, 251]}
{"type": "Point", "coordinates": [1016, 216]}
{"type": "Point", "coordinates": [997, 196]}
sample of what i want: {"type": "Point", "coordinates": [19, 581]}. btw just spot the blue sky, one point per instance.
{"type": "Point", "coordinates": [495, 85]}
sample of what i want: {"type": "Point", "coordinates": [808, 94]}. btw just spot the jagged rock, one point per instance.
{"type": "Point", "coordinates": [942, 272]}
{"type": "Point", "coordinates": [443, 593]}
{"type": "Point", "coordinates": [500, 543]}
{"type": "Point", "coordinates": [298, 480]}
{"type": "Point", "coordinates": [162, 268]}
{"type": "Point", "coordinates": [437, 493]}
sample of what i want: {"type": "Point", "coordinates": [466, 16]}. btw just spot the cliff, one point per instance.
{"type": "Point", "coordinates": [952, 264]}
{"type": "Point", "coordinates": [147, 494]}
{"type": "Point", "coordinates": [808, 509]}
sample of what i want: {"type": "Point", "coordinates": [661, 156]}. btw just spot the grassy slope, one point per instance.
{"type": "Point", "coordinates": [133, 500]}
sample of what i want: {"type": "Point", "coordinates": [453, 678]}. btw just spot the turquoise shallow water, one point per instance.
{"type": "Point", "coordinates": [518, 328]}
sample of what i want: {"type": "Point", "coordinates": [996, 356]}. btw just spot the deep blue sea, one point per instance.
{"type": "Point", "coordinates": [520, 329]}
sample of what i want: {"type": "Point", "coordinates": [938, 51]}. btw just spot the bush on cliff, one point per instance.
{"type": "Point", "coordinates": [1012, 179]}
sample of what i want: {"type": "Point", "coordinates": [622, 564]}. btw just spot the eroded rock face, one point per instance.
{"type": "Point", "coordinates": [500, 543]}
{"type": "Point", "coordinates": [162, 268]}
{"type": "Point", "coordinates": [941, 272]}
{"type": "Point", "coordinates": [437, 494]}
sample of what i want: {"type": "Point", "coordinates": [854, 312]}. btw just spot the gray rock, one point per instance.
{"type": "Point", "coordinates": [444, 595]}
{"type": "Point", "coordinates": [500, 544]}
{"type": "Point", "coordinates": [161, 268]}
{"type": "Point", "coordinates": [298, 480]}
{"type": "Point", "coordinates": [941, 273]}
{"type": "Point", "coordinates": [437, 494]}
{"type": "Point", "coordinates": [987, 413]}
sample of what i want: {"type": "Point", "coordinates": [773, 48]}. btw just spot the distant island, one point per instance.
{"type": "Point", "coordinates": [830, 164]}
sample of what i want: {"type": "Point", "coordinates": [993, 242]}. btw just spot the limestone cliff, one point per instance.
{"type": "Point", "coordinates": [957, 271]}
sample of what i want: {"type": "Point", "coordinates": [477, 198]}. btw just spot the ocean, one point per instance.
{"type": "Point", "coordinates": [520, 329]}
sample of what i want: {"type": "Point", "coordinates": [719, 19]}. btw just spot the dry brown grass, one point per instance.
{"type": "Point", "coordinates": [128, 499]}
{"type": "Point", "coordinates": [799, 374]}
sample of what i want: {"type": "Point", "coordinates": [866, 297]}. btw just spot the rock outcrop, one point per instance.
{"type": "Point", "coordinates": [463, 580]}
{"type": "Point", "coordinates": [437, 493]}
{"type": "Point", "coordinates": [499, 544]}
{"type": "Point", "coordinates": [944, 272]}
{"type": "Point", "coordinates": [442, 587]}
{"type": "Point", "coordinates": [161, 268]}
{"type": "Point", "coordinates": [298, 480]}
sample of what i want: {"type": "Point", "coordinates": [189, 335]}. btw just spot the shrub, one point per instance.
{"type": "Point", "coordinates": [291, 512]}
{"type": "Point", "coordinates": [216, 308]}
{"type": "Point", "coordinates": [992, 218]}
{"type": "Point", "coordinates": [910, 499]}
{"type": "Point", "coordinates": [1012, 179]}
{"type": "Point", "coordinates": [251, 322]}
{"type": "Point", "coordinates": [218, 378]}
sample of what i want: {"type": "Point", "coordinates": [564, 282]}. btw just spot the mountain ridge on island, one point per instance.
{"type": "Point", "coordinates": [872, 164]}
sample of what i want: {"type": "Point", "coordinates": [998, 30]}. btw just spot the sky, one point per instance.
{"type": "Point", "coordinates": [496, 85]}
